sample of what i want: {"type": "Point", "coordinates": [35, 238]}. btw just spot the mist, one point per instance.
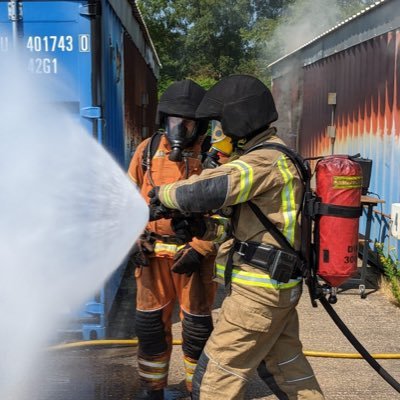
{"type": "Point", "coordinates": [69, 217]}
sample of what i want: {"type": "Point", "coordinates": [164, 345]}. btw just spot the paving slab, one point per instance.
{"type": "Point", "coordinates": [111, 373]}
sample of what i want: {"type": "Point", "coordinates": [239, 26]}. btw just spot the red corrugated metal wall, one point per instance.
{"type": "Point", "coordinates": [140, 96]}
{"type": "Point", "coordinates": [366, 80]}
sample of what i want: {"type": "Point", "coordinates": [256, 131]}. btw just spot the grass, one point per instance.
{"type": "Point", "coordinates": [390, 283]}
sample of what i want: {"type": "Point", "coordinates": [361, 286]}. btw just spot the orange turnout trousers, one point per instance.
{"type": "Point", "coordinates": [158, 288]}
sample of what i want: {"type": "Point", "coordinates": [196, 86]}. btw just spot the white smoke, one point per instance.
{"type": "Point", "coordinates": [69, 215]}
{"type": "Point", "coordinates": [305, 20]}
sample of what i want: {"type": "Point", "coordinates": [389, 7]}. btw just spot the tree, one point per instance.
{"type": "Point", "coordinates": [209, 39]}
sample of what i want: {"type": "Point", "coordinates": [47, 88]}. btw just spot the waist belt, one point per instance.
{"type": "Point", "coordinates": [279, 264]}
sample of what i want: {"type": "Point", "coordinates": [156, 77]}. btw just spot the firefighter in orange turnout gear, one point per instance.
{"type": "Point", "coordinates": [258, 327]}
{"type": "Point", "coordinates": [175, 271]}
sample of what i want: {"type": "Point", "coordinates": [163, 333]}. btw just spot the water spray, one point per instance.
{"type": "Point", "coordinates": [69, 217]}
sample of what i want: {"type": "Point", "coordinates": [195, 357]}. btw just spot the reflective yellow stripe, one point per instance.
{"type": "Point", "coordinates": [246, 179]}
{"type": "Point", "coordinates": [132, 178]}
{"type": "Point", "coordinates": [190, 366]}
{"type": "Point", "coordinates": [166, 248]}
{"type": "Point", "coordinates": [288, 201]}
{"type": "Point", "coordinates": [254, 279]}
{"type": "Point", "coordinates": [222, 229]}
{"type": "Point", "coordinates": [166, 193]}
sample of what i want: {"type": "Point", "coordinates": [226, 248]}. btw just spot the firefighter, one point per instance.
{"type": "Point", "coordinates": [258, 326]}
{"type": "Point", "coordinates": [169, 267]}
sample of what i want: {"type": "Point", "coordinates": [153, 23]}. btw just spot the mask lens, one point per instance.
{"type": "Point", "coordinates": [180, 127]}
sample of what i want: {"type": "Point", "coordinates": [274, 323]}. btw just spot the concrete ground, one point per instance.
{"type": "Point", "coordinates": [110, 373]}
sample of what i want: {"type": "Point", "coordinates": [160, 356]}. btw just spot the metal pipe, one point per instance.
{"type": "Point", "coordinates": [15, 15]}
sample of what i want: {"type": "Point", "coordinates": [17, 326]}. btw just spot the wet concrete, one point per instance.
{"type": "Point", "coordinates": [111, 373]}
{"type": "Point", "coordinates": [95, 374]}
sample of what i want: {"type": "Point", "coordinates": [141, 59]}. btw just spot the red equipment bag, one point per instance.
{"type": "Point", "coordinates": [338, 188]}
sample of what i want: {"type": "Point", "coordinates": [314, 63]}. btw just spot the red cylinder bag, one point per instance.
{"type": "Point", "coordinates": [338, 187]}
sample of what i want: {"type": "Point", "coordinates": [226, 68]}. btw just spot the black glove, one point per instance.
{"type": "Point", "coordinates": [153, 195]}
{"type": "Point", "coordinates": [157, 210]}
{"type": "Point", "coordinates": [186, 229]}
{"type": "Point", "coordinates": [140, 252]}
{"type": "Point", "coordinates": [187, 261]}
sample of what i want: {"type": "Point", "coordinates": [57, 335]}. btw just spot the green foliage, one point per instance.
{"type": "Point", "coordinates": [209, 39]}
{"type": "Point", "coordinates": [391, 266]}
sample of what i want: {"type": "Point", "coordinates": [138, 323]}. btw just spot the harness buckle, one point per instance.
{"type": "Point", "coordinates": [242, 249]}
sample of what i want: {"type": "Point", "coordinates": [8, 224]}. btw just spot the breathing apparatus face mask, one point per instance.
{"type": "Point", "coordinates": [181, 133]}
{"type": "Point", "coordinates": [219, 141]}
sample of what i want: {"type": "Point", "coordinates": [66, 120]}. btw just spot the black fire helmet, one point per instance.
{"type": "Point", "coordinates": [242, 103]}
{"type": "Point", "coordinates": [181, 99]}
{"type": "Point", "coordinates": [177, 105]}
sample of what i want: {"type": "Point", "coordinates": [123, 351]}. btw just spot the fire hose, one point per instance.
{"type": "Point", "coordinates": [176, 342]}
{"type": "Point", "coordinates": [363, 353]}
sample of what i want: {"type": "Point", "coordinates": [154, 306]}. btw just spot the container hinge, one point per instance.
{"type": "Point", "coordinates": [91, 112]}
{"type": "Point", "coordinates": [15, 10]}
{"type": "Point", "coordinates": [94, 308]}
{"type": "Point", "coordinates": [90, 10]}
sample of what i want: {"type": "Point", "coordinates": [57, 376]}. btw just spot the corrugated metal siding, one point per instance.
{"type": "Point", "coordinates": [140, 86]}
{"type": "Point", "coordinates": [287, 94]}
{"type": "Point", "coordinates": [366, 79]}
{"type": "Point", "coordinates": [113, 138]}
{"type": "Point", "coordinates": [132, 20]}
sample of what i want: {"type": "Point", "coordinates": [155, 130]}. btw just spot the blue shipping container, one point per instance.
{"type": "Point", "coordinates": [81, 44]}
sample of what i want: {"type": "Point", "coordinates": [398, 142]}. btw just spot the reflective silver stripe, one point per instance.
{"type": "Point", "coordinates": [153, 376]}
{"type": "Point", "coordinates": [224, 369]}
{"type": "Point", "coordinates": [289, 361]}
{"type": "Point", "coordinates": [300, 379]}
{"type": "Point", "coordinates": [155, 364]}
{"type": "Point", "coordinates": [196, 315]}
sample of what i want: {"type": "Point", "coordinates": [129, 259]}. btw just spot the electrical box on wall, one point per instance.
{"type": "Point", "coordinates": [332, 99]}
{"type": "Point", "coordinates": [395, 215]}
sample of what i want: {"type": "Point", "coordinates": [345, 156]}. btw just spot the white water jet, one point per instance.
{"type": "Point", "coordinates": [69, 215]}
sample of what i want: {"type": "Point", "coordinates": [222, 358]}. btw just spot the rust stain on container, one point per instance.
{"type": "Point", "coordinates": [140, 96]}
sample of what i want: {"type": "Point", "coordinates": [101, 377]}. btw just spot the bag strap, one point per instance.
{"type": "Point", "coordinates": [304, 171]}
{"type": "Point", "coordinates": [271, 228]}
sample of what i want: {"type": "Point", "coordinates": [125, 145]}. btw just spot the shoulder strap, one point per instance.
{"type": "Point", "coordinates": [304, 171]}
{"type": "Point", "coordinates": [271, 227]}
{"type": "Point", "coordinates": [301, 164]}
{"type": "Point", "coordinates": [150, 150]}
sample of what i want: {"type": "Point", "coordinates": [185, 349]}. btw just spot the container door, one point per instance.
{"type": "Point", "coordinates": [113, 83]}
{"type": "Point", "coordinates": [55, 39]}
